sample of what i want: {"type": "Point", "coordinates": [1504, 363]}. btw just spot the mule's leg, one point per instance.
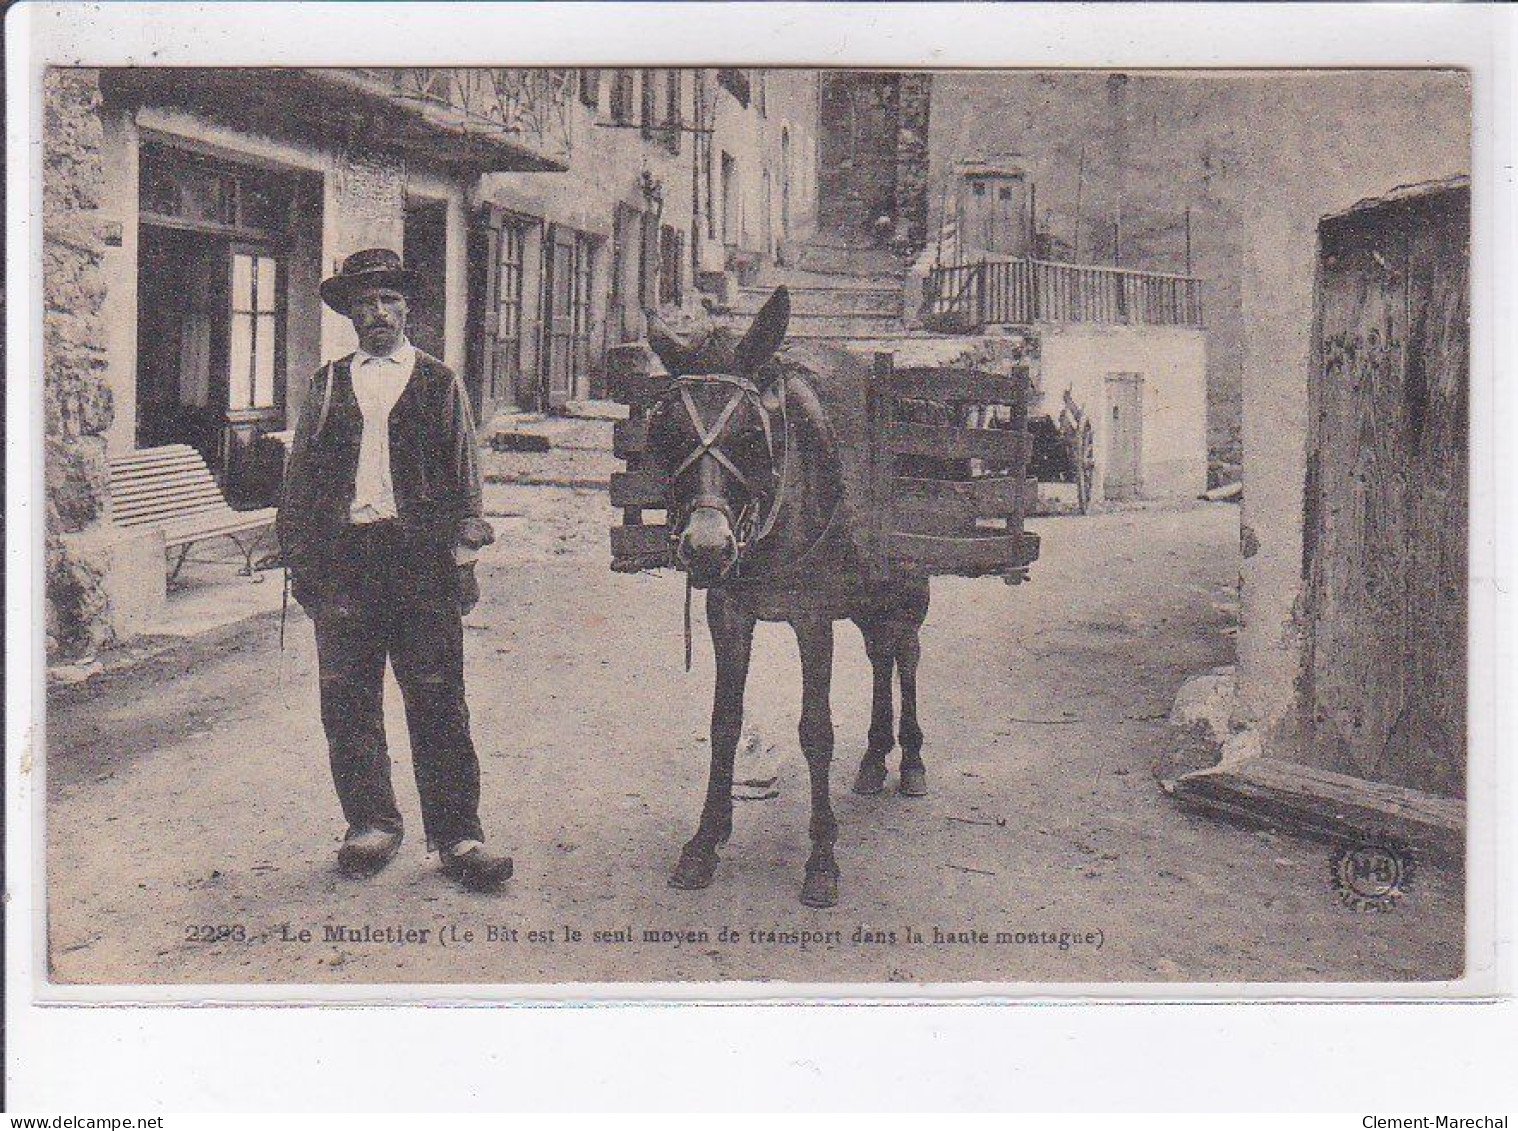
{"type": "Point", "coordinates": [880, 646]}
{"type": "Point", "coordinates": [732, 632]}
{"type": "Point", "coordinates": [914, 775]}
{"type": "Point", "coordinates": [814, 635]}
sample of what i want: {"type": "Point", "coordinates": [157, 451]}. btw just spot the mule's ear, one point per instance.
{"type": "Point", "coordinates": [765, 335]}
{"type": "Point", "coordinates": [669, 347]}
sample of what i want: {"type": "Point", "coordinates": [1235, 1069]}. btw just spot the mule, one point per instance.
{"type": "Point", "coordinates": [758, 520]}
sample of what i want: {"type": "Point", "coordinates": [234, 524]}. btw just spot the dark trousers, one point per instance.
{"type": "Point", "coordinates": [385, 596]}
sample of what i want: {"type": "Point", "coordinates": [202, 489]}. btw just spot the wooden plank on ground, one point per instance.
{"type": "Point", "coordinates": [1327, 806]}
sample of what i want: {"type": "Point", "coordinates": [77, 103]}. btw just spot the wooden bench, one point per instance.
{"type": "Point", "coordinates": [172, 488]}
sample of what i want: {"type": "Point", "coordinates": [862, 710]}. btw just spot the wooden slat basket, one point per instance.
{"type": "Point", "coordinates": [635, 378]}
{"type": "Point", "coordinates": [948, 460]}
{"type": "Point", "coordinates": [945, 471]}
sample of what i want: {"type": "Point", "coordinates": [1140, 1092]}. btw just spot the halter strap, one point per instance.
{"type": "Point", "coordinates": [707, 437]}
{"type": "Point", "coordinates": [749, 526]}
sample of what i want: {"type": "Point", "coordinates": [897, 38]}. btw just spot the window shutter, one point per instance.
{"type": "Point", "coordinates": [649, 116]}
{"type": "Point", "coordinates": [672, 110]}
{"type": "Point", "coordinates": [648, 277]}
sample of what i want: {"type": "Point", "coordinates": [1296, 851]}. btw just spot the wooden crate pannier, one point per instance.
{"type": "Point", "coordinates": [947, 469]}
{"type": "Point", "coordinates": [641, 542]}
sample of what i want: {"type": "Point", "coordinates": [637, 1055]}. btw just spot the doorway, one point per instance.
{"type": "Point", "coordinates": [424, 247]}
{"type": "Point", "coordinates": [182, 341]}
{"type": "Point", "coordinates": [215, 241]}
{"type": "Point", "coordinates": [856, 151]}
{"type": "Point", "coordinates": [566, 318]}
{"type": "Point", "coordinates": [1125, 436]}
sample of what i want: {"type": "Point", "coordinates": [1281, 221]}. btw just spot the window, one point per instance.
{"type": "Point", "coordinates": [978, 187]}
{"type": "Point", "coordinates": [671, 258]}
{"type": "Point", "coordinates": [184, 190]}
{"type": "Point", "coordinates": [508, 298]}
{"type": "Point", "coordinates": [251, 337]}
{"type": "Point", "coordinates": [622, 97]}
{"type": "Point", "coordinates": [590, 87]}
{"type": "Point", "coordinates": [1004, 194]}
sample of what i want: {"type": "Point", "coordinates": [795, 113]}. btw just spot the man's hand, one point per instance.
{"type": "Point", "coordinates": [468, 587]}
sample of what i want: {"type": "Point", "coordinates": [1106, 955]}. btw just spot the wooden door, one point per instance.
{"type": "Point", "coordinates": [1385, 522]}
{"type": "Point", "coordinates": [559, 317]}
{"type": "Point", "coordinates": [498, 280]}
{"type": "Point", "coordinates": [1125, 435]}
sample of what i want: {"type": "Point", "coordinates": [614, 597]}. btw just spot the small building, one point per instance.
{"type": "Point", "coordinates": [1122, 390]}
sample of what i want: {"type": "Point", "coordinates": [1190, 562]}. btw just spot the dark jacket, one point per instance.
{"type": "Point", "coordinates": [434, 468]}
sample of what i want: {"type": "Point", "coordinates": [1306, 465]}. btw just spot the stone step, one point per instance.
{"type": "Point", "coordinates": [848, 260]}
{"type": "Point", "coordinates": [880, 302]}
{"type": "Point", "coordinates": [831, 326]}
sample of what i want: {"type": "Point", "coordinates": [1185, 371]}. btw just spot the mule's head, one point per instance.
{"type": "Point", "coordinates": [717, 436]}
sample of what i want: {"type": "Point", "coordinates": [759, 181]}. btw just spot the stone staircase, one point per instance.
{"type": "Point", "coordinates": [838, 290]}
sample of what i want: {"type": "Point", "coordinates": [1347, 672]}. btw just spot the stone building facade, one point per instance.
{"type": "Point", "coordinates": [190, 214]}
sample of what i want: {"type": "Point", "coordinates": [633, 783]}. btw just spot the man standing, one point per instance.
{"type": "Point", "coordinates": [379, 524]}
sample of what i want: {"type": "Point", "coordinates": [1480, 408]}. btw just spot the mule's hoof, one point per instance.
{"type": "Point", "coordinates": [820, 889]}
{"type": "Point", "coordinates": [914, 781]}
{"type": "Point", "coordinates": [871, 779]}
{"type": "Point", "coordinates": [694, 872]}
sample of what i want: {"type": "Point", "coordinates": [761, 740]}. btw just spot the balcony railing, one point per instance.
{"type": "Point", "coordinates": [1023, 291]}
{"type": "Point", "coordinates": [529, 107]}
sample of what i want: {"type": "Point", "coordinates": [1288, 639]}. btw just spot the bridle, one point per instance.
{"type": "Point", "coordinates": [756, 519]}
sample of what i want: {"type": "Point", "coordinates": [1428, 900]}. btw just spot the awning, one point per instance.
{"type": "Point", "coordinates": [345, 109]}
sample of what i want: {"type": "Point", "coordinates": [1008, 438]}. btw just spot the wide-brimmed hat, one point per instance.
{"type": "Point", "coordinates": [372, 267]}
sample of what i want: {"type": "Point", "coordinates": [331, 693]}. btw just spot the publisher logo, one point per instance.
{"type": "Point", "coordinates": [1372, 876]}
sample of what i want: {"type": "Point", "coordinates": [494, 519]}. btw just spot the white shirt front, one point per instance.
{"type": "Point", "coordinates": [378, 383]}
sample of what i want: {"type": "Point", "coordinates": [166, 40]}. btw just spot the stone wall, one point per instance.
{"type": "Point", "coordinates": [1398, 128]}
{"type": "Point", "coordinates": [76, 397]}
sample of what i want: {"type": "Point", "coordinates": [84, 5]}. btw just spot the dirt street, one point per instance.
{"type": "Point", "coordinates": [203, 800]}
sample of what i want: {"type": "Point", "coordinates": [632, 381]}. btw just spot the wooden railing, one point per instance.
{"type": "Point", "coordinates": [1024, 291]}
